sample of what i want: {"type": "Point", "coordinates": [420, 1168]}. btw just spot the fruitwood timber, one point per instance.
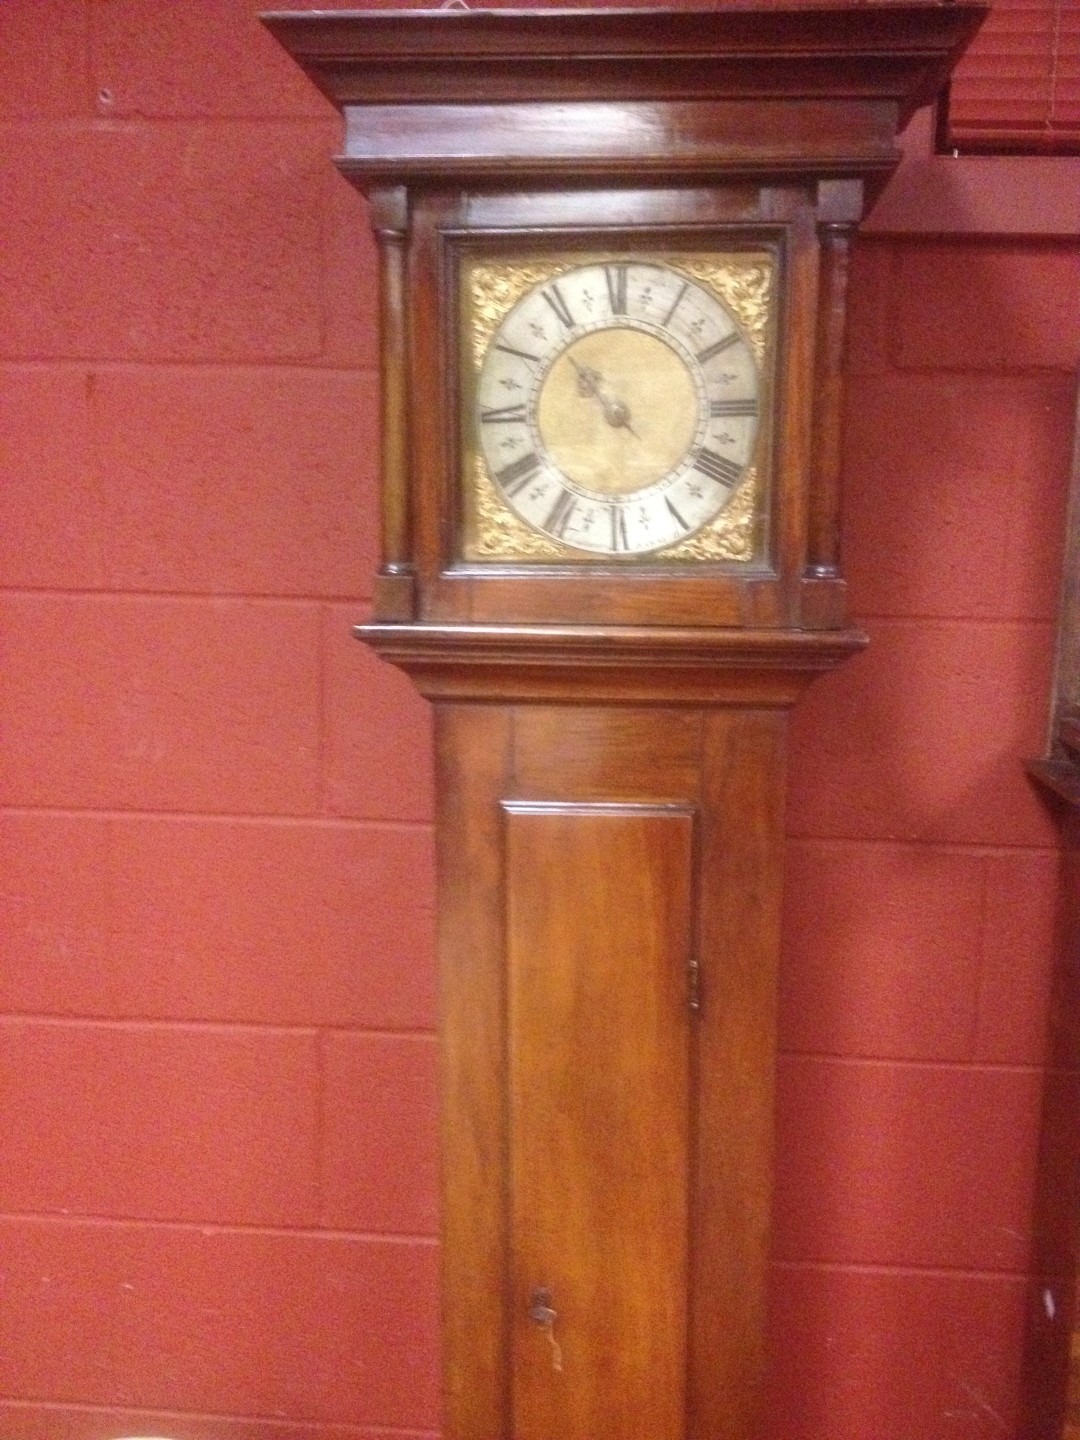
{"type": "Point", "coordinates": [627, 860]}
{"type": "Point", "coordinates": [432, 94]}
{"type": "Point", "coordinates": [611, 735]}
{"type": "Point", "coordinates": [631, 665]}
{"type": "Point", "coordinates": [397, 66]}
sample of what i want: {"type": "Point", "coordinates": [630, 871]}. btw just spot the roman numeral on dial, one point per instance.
{"type": "Point", "coordinates": [518, 473]}
{"type": "Point", "coordinates": [718, 347]}
{"type": "Point", "coordinates": [676, 303]}
{"type": "Point", "coordinates": [521, 354]}
{"type": "Point", "coordinates": [717, 467]}
{"type": "Point", "coordinates": [619, 540]}
{"type": "Point", "coordinates": [554, 297]}
{"type": "Point", "coordinates": [615, 275]}
{"type": "Point", "coordinates": [720, 408]}
{"type": "Point", "coordinates": [683, 525]}
{"type": "Point", "coordinates": [503, 415]}
{"type": "Point", "coordinates": [559, 515]}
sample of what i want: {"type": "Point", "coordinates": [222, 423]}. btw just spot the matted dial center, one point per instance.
{"type": "Point", "coordinates": [617, 411]}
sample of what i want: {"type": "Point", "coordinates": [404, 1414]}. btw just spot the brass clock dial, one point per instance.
{"type": "Point", "coordinates": [617, 407]}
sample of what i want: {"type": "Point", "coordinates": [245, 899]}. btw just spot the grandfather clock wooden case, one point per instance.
{"type": "Point", "coordinates": [614, 252]}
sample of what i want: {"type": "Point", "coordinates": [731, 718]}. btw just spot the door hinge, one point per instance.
{"type": "Point", "coordinates": [694, 985]}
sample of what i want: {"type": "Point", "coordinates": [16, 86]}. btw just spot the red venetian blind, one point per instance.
{"type": "Point", "coordinates": [1018, 87]}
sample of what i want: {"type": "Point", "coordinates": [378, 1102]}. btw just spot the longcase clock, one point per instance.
{"type": "Point", "coordinates": [614, 252]}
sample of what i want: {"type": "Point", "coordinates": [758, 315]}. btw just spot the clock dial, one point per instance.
{"type": "Point", "coordinates": [617, 407]}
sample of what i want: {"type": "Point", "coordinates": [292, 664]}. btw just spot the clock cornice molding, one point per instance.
{"type": "Point", "coordinates": [591, 92]}
{"type": "Point", "coordinates": [896, 52]}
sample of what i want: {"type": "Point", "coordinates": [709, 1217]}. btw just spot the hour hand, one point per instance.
{"type": "Point", "coordinates": [589, 383]}
{"type": "Point", "coordinates": [588, 379]}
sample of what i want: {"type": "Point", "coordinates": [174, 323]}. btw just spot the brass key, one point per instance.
{"type": "Point", "coordinates": [542, 1313]}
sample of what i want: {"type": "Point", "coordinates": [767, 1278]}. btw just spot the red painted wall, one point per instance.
{"type": "Point", "coordinates": [217, 1184]}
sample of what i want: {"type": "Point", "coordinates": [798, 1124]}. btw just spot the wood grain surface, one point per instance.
{"type": "Point", "coordinates": [598, 959]}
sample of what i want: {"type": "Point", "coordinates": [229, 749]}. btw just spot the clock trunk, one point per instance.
{"type": "Point", "coordinates": [609, 890]}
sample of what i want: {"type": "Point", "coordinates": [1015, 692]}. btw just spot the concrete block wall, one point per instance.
{"type": "Point", "coordinates": [923, 863]}
{"type": "Point", "coordinates": [217, 1109]}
